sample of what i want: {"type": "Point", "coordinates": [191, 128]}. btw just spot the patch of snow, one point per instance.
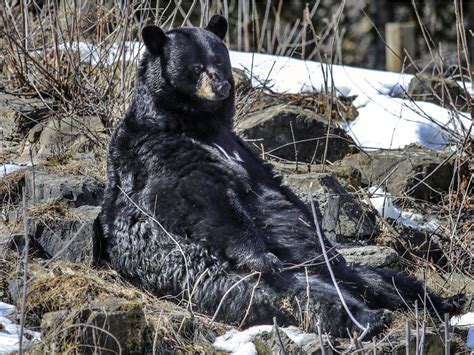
{"type": "Point", "coordinates": [92, 55]}
{"type": "Point", "coordinates": [464, 320]}
{"type": "Point", "coordinates": [240, 342]}
{"type": "Point", "coordinates": [298, 336]}
{"type": "Point", "coordinates": [10, 331]}
{"type": "Point", "coordinates": [7, 310]}
{"type": "Point", "coordinates": [283, 74]}
{"type": "Point", "coordinates": [392, 123]}
{"type": "Point", "coordinates": [430, 225]}
{"type": "Point", "coordinates": [6, 169]}
{"type": "Point", "coordinates": [383, 203]}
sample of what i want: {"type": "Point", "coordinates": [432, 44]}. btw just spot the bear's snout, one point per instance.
{"type": "Point", "coordinates": [221, 88]}
{"type": "Point", "coordinates": [212, 87]}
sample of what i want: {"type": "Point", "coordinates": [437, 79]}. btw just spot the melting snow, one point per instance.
{"type": "Point", "coordinates": [384, 120]}
{"type": "Point", "coordinates": [236, 342]}
{"type": "Point", "coordinates": [383, 203]}
{"type": "Point", "coordinates": [10, 331]}
{"type": "Point", "coordinates": [465, 320]}
{"type": "Point", "coordinates": [470, 338]}
{"type": "Point", "coordinates": [6, 169]}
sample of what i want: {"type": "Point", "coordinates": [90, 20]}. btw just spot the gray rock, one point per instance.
{"type": "Point", "coordinates": [65, 235]}
{"type": "Point", "coordinates": [452, 282]}
{"type": "Point", "coordinates": [347, 176]}
{"type": "Point", "coordinates": [75, 191]}
{"type": "Point", "coordinates": [343, 217]}
{"type": "Point", "coordinates": [273, 128]}
{"type": "Point", "coordinates": [111, 326]}
{"type": "Point", "coordinates": [372, 255]}
{"type": "Point", "coordinates": [407, 169]}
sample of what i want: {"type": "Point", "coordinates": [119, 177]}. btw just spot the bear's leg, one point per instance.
{"type": "Point", "coordinates": [150, 259]}
{"type": "Point", "coordinates": [325, 307]}
{"type": "Point", "coordinates": [382, 288]}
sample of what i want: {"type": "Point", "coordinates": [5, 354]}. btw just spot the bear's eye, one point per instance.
{"type": "Point", "coordinates": [197, 69]}
{"type": "Point", "coordinates": [217, 61]}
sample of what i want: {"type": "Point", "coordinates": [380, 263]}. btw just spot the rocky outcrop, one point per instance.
{"type": "Point", "coordinates": [58, 232]}
{"type": "Point", "coordinates": [347, 176]}
{"type": "Point", "coordinates": [295, 134]}
{"type": "Point", "coordinates": [415, 171]}
{"type": "Point", "coordinates": [74, 191]}
{"type": "Point", "coordinates": [62, 211]}
{"type": "Point", "coordinates": [17, 116]}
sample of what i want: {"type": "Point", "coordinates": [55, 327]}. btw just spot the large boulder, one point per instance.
{"type": "Point", "coordinates": [74, 191]}
{"type": "Point", "coordinates": [62, 211]}
{"type": "Point", "coordinates": [295, 134]}
{"type": "Point", "coordinates": [372, 255]}
{"type": "Point", "coordinates": [111, 326]}
{"type": "Point", "coordinates": [415, 171]}
{"type": "Point", "coordinates": [59, 232]}
{"type": "Point", "coordinates": [17, 116]}
{"type": "Point", "coordinates": [343, 217]}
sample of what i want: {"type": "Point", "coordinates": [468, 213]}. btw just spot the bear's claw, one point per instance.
{"type": "Point", "coordinates": [265, 263]}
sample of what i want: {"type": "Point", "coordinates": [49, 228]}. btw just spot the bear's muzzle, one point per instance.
{"type": "Point", "coordinates": [212, 88]}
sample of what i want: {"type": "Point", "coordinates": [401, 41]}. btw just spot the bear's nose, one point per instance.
{"type": "Point", "coordinates": [222, 88]}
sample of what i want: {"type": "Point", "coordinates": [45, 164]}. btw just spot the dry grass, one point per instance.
{"type": "Point", "coordinates": [94, 168]}
{"type": "Point", "coordinates": [10, 188]}
{"type": "Point", "coordinates": [53, 210]}
{"type": "Point", "coordinates": [66, 286]}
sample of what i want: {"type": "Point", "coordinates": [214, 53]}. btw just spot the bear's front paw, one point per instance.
{"type": "Point", "coordinates": [265, 263]}
{"type": "Point", "coordinates": [378, 321]}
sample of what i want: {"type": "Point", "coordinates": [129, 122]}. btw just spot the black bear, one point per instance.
{"type": "Point", "coordinates": [190, 212]}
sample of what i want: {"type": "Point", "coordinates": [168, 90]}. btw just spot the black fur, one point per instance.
{"type": "Point", "coordinates": [175, 158]}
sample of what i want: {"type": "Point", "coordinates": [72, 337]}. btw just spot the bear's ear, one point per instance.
{"type": "Point", "coordinates": [218, 26]}
{"type": "Point", "coordinates": [154, 38]}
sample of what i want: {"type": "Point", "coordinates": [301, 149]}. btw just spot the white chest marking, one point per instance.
{"type": "Point", "coordinates": [222, 150]}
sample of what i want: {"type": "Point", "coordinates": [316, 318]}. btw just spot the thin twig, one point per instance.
{"type": "Point", "coordinates": [277, 334]}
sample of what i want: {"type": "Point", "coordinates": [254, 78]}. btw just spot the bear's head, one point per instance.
{"type": "Point", "coordinates": [188, 65]}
